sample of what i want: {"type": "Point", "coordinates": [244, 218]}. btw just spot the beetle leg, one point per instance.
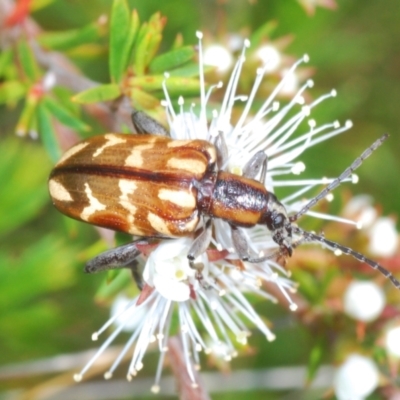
{"type": "Point", "coordinates": [256, 164]}
{"type": "Point", "coordinates": [222, 150]}
{"type": "Point", "coordinates": [144, 124]}
{"type": "Point", "coordinates": [120, 257]}
{"type": "Point", "coordinates": [199, 246]}
{"type": "Point", "coordinates": [240, 243]}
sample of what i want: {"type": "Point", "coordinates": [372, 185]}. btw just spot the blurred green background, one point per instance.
{"type": "Point", "coordinates": [47, 303]}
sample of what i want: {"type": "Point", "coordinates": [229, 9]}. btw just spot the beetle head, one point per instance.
{"type": "Point", "coordinates": [277, 221]}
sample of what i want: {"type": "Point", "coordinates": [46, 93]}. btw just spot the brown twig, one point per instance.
{"type": "Point", "coordinates": [185, 388]}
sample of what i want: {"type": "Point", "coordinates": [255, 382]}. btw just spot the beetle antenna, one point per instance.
{"type": "Point", "coordinates": [333, 246]}
{"type": "Point", "coordinates": [334, 184]}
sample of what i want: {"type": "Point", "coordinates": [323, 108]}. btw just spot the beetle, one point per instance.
{"type": "Point", "coordinates": [152, 186]}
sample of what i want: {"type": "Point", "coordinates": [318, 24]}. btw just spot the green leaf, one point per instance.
{"type": "Point", "coordinates": [99, 93]}
{"type": "Point", "coordinates": [36, 264]}
{"type": "Point", "coordinates": [65, 40]}
{"type": "Point", "coordinates": [12, 91]}
{"type": "Point", "coordinates": [316, 357]}
{"type": "Point", "coordinates": [143, 101]}
{"type": "Point", "coordinates": [171, 60]}
{"type": "Point", "coordinates": [174, 83]}
{"type": "Point", "coordinates": [26, 117]}
{"type": "Point", "coordinates": [64, 115]}
{"type": "Point", "coordinates": [263, 32]}
{"type": "Point", "coordinates": [28, 62]}
{"type": "Point", "coordinates": [123, 30]}
{"type": "Point", "coordinates": [116, 282]}
{"type": "Point", "coordinates": [142, 47]}
{"type": "Point", "coordinates": [47, 133]}
{"type": "Point", "coordinates": [24, 170]}
{"type": "Point", "coordinates": [6, 58]}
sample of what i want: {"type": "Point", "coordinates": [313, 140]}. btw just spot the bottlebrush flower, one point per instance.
{"type": "Point", "coordinates": [214, 313]}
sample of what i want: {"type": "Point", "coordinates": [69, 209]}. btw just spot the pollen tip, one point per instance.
{"type": "Point", "coordinates": [270, 337]}
{"type": "Point", "coordinates": [77, 377]}
{"type": "Point", "coordinates": [338, 252]}
{"type": "Point", "coordinates": [155, 389]}
{"type": "Point", "coordinates": [139, 366]}
{"type": "Point", "coordinates": [181, 101]}
{"type": "Point", "coordinates": [275, 106]}
{"type": "Point", "coordinates": [195, 385]}
{"type": "Point", "coordinates": [247, 43]}
{"type": "Point", "coordinates": [310, 83]}
{"type": "Point", "coordinates": [220, 84]}
{"type": "Point", "coordinates": [333, 93]}
{"type": "Point", "coordinates": [336, 124]}
{"type": "Point", "coordinates": [354, 178]}
{"type": "Point", "coordinates": [306, 58]}
{"type": "Point", "coordinates": [349, 124]}
{"type": "Point", "coordinates": [95, 336]}
{"type": "Point", "coordinates": [293, 307]}
{"type": "Point", "coordinates": [166, 75]}
{"type": "Point", "coordinates": [312, 123]}
{"type": "Point", "coordinates": [199, 35]}
{"type": "Point", "coordinates": [33, 134]}
{"type": "Point", "coordinates": [329, 197]}
{"type": "Point", "coordinates": [306, 110]}
{"type": "Point", "coordinates": [108, 375]}
{"type": "Point", "coordinates": [359, 225]}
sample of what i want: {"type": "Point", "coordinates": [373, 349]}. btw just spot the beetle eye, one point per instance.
{"type": "Point", "coordinates": [278, 221]}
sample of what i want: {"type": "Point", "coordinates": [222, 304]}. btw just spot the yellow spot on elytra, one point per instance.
{"type": "Point", "coordinates": [178, 143]}
{"type": "Point", "coordinates": [112, 140]}
{"type": "Point", "coordinates": [127, 188]}
{"type": "Point", "coordinates": [94, 204]}
{"type": "Point", "coordinates": [158, 224]}
{"type": "Point", "coordinates": [181, 198]}
{"type": "Point", "coordinates": [135, 159]}
{"type": "Point", "coordinates": [58, 191]}
{"type": "Point", "coordinates": [187, 164]}
{"type": "Point", "coordinates": [73, 150]}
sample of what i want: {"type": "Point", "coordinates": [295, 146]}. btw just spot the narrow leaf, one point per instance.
{"type": "Point", "coordinates": [28, 61]}
{"type": "Point", "coordinates": [64, 115]}
{"type": "Point", "coordinates": [24, 170]}
{"type": "Point", "coordinates": [98, 93]}
{"type": "Point", "coordinates": [47, 133]}
{"type": "Point", "coordinates": [65, 40]}
{"type": "Point", "coordinates": [6, 57]}
{"type": "Point", "coordinates": [142, 47]}
{"type": "Point", "coordinates": [171, 60]}
{"type": "Point", "coordinates": [12, 91]}
{"type": "Point", "coordinates": [119, 33]}
{"type": "Point", "coordinates": [263, 32]}
{"type": "Point", "coordinates": [25, 119]}
{"type": "Point", "coordinates": [143, 101]}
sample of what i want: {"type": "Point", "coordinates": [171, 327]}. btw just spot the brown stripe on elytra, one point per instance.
{"type": "Point", "coordinates": [120, 172]}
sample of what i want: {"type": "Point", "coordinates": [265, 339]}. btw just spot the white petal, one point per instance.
{"type": "Point", "coordinates": [172, 289]}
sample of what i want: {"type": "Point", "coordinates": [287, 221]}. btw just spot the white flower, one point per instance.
{"type": "Point", "coordinates": [218, 56]}
{"type": "Point", "coordinates": [356, 378]}
{"type": "Point", "coordinates": [383, 237]}
{"type": "Point", "coordinates": [168, 271]}
{"type": "Point", "coordinates": [393, 341]}
{"type": "Point", "coordinates": [364, 301]}
{"type": "Point", "coordinates": [219, 303]}
{"type": "Point", "coordinates": [270, 57]}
